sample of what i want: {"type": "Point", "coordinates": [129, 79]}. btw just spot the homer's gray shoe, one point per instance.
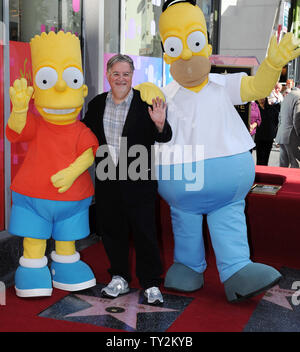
{"type": "Point", "coordinates": [182, 278]}
{"type": "Point", "coordinates": [153, 295]}
{"type": "Point", "coordinates": [117, 286]}
{"type": "Point", "coordinates": [250, 281]}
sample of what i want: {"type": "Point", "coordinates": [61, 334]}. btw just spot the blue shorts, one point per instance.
{"type": "Point", "coordinates": [214, 183]}
{"type": "Point", "coordinates": [43, 218]}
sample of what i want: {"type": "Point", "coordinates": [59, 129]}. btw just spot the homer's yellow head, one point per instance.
{"type": "Point", "coordinates": [59, 91]}
{"type": "Point", "coordinates": [183, 32]}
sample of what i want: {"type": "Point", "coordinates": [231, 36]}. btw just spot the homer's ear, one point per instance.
{"type": "Point", "coordinates": [167, 59]}
{"type": "Point", "coordinates": [85, 90]}
{"type": "Point", "coordinates": [209, 49]}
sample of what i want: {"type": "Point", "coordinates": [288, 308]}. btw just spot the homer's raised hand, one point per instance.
{"type": "Point", "coordinates": [158, 113]}
{"type": "Point", "coordinates": [20, 96]}
{"type": "Point", "coordinates": [287, 50]}
{"type": "Point", "coordinates": [268, 73]}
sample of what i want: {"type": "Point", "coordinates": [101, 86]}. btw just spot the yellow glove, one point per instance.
{"type": "Point", "coordinates": [149, 91]}
{"type": "Point", "coordinates": [20, 96]}
{"type": "Point", "coordinates": [268, 73]}
{"type": "Point", "coordinates": [64, 178]}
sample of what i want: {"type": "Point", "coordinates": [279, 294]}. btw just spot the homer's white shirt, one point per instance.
{"type": "Point", "coordinates": [207, 119]}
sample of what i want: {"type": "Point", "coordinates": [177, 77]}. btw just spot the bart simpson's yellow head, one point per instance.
{"type": "Point", "coordinates": [183, 32]}
{"type": "Point", "coordinates": [59, 91]}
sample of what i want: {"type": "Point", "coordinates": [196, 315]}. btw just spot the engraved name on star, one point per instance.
{"type": "Point", "coordinates": [278, 296]}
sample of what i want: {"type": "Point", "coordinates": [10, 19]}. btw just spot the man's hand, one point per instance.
{"type": "Point", "coordinates": [253, 126]}
{"type": "Point", "coordinates": [158, 113]}
{"type": "Point", "coordinates": [280, 54]}
{"type": "Point", "coordinates": [149, 91]}
{"type": "Point", "coordinates": [20, 96]}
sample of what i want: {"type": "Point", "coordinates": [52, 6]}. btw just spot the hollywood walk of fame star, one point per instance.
{"type": "Point", "coordinates": [123, 308]}
{"type": "Point", "coordinates": [278, 296]}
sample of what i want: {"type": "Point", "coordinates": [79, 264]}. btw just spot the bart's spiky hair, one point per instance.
{"type": "Point", "coordinates": [42, 46]}
{"type": "Point", "coordinates": [60, 34]}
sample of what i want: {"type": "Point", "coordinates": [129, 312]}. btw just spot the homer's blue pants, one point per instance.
{"type": "Point", "coordinates": [216, 187]}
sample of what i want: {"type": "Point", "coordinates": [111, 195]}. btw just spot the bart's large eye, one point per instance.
{"type": "Point", "coordinates": [196, 41]}
{"type": "Point", "coordinates": [46, 77]}
{"type": "Point", "coordinates": [73, 77]}
{"type": "Point", "coordinates": [173, 46]}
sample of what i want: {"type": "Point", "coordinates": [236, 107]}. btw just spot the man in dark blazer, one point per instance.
{"type": "Point", "coordinates": [127, 128]}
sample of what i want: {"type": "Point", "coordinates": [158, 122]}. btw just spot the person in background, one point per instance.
{"type": "Point", "coordinates": [287, 88]}
{"type": "Point", "coordinates": [290, 84]}
{"type": "Point", "coordinates": [266, 132]}
{"type": "Point", "coordinates": [285, 91]}
{"type": "Point", "coordinates": [288, 135]}
{"type": "Point", "coordinates": [121, 120]}
{"type": "Point", "coordinates": [276, 97]}
{"type": "Point", "coordinates": [255, 118]}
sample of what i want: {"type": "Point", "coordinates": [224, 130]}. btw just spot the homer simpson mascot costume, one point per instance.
{"type": "Point", "coordinates": [201, 112]}
{"type": "Point", "coordinates": [52, 191]}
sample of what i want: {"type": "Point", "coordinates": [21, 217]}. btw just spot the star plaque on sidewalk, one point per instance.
{"type": "Point", "coordinates": [128, 312]}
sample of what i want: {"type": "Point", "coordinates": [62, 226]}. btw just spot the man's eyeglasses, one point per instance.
{"type": "Point", "coordinates": [121, 74]}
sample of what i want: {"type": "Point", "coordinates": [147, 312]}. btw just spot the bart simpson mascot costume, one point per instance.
{"type": "Point", "coordinates": [52, 191]}
{"type": "Point", "coordinates": [201, 112]}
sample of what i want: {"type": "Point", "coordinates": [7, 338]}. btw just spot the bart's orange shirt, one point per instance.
{"type": "Point", "coordinates": [51, 149]}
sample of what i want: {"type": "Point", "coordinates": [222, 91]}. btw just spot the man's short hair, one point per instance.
{"type": "Point", "coordinates": [119, 58]}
